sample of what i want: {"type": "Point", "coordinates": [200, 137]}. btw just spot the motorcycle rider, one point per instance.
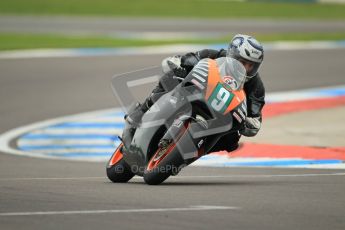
{"type": "Point", "coordinates": [243, 48]}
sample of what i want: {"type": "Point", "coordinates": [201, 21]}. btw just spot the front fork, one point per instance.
{"type": "Point", "coordinates": [190, 148]}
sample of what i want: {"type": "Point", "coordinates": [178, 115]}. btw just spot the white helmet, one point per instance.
{"type": "Point", "coordinates": [247, 48]}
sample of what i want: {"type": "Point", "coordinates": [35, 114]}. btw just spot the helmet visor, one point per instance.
{"type": "Point", "coordinates": [250, 66]}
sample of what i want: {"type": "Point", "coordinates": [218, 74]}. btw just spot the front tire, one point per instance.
{"type": "Point", "coordinates": [118, 171]}
{"type": "Point", "coordinates": [165, 162]}
{"type": "Point", "coordinates": [160, 171]}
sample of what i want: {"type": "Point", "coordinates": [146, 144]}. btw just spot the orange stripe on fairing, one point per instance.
{"type": "Point", "coordinates": [239, 97]}
{"type": "Point", "coordinates": [213, 78]}
{"type": "Point", "coordinates": [117, 156]}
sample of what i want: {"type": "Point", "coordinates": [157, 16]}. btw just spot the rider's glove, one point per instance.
{"type": "Point", "coordinates": [189, 60]}
{"type": "Point", "coordinates": [251, 127]}
{"type": "Point", "coordinates": [174, 64]}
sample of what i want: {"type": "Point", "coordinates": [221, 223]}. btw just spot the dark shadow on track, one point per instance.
{"type": "Point", "coordinates": [208, 183]}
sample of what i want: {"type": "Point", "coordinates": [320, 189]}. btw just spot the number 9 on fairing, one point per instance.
{"type": "Point", "coordinates": [220, 100]}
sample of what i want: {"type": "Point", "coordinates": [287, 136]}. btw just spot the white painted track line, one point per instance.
{"type": "Point", "coordinates": [80, 212]}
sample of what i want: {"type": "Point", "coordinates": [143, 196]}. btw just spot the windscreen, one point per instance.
{"type": "Point", "coordinates": [232, 72]}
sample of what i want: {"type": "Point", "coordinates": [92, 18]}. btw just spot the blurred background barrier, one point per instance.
{"type": "Point", "coordinates": [33, 24]}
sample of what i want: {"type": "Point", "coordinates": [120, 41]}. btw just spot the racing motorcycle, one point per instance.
{"type": "Point", "coordinates": [183, 124]}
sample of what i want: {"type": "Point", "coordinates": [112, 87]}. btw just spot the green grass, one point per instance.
{"type": "Point", "coordinates": [175, 8]}
{"type": "Point", "coordinates": [11, 41]}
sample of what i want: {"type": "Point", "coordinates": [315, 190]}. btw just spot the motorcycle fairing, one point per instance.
{"type": "Point", "coordinates": [154, 123]}
{"type": "Point", "coordinates": [203, 87]}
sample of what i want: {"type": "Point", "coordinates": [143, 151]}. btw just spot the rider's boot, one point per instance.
{"type": "Point", "coordinates": [228, 142]}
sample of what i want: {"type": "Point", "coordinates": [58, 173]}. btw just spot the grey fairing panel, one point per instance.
{"type": "Point", "coordinates": [159, 117]}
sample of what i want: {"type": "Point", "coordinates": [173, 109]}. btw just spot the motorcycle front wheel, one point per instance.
{"type": "Point", "coordinates": [118, 171]}
{"type": "Point", "coordinates": [165, 162]}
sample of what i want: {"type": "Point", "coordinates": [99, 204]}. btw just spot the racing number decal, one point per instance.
{"type": "Point", "coordinates": [220, 98]}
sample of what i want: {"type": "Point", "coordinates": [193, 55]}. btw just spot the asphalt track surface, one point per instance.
{"type": "Point", "coordinates": [162, 28]}
{"type": "Point", "coordinates": [250, 198]}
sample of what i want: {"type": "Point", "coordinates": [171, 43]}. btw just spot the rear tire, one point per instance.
{"type": "Point", "coordinates": [118, 171]}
